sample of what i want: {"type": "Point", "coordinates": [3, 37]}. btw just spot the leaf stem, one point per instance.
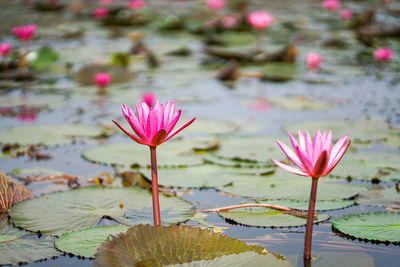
{"type": "Point", "coordinates": [247, 206]}
{"type": "Point", "coordinates": [310, 219]}
{"type": "Point", "coordinates": [154, 186]}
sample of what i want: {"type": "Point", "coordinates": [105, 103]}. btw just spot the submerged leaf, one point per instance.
{"type": "Point", "coordinates": [387, 197]}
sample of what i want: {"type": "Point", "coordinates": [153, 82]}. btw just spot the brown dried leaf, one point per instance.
{"type": "Point", "coordinates": [11, 192]}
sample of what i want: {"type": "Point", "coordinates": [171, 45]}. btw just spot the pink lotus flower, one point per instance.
{"type": "Point", "coordinates": [331, 4]}
{"type": "Point", "coordinates": [4, 49]}
{"type": "Point", "coordinates": [215, 4]}
{"type": "Point", "coordinates": [260, 19]}
{"type": "Point", "coordinates": [315, 158]}
{"type": "Point", "coordinates": [149, 98]}
{"type": "Point", "coordinates": [346, 14]}
{"type": "Point", "coordinates": [153, 125]}
{"type": "Point", "coordinates": [383, 54]}
{"type": "Point", "coordinates": [24, 32]}
{"type": "Point", "coordinates": [106, 2]}
{"type": "Point", "coordinates": [313, 60]}
{"type": "Point", "coordinates": [136, 4]}
{"type": "Point", "coordinates": [229, 22]}
{"type": "Point", "coordinates": [27, 115]}
{"type": "Point", "coordinates": [212, 23]}
{"type": "Point", "coordinates": [100, 12]}
{"type": "Point", "coordinates": [102, 79]}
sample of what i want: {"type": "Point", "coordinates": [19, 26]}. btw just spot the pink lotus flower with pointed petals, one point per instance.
{"type": "Point", "coordinates": [152, 125]}
{"type": "Point", "coordinates": [24, 32]}
{"type": "Point", "coordinates": [136, 4]}
{"type": "Point", "coordinates": [313, 60]}
{"type": "Point", "coordinates": [149, 98]}
{"type": "Point", "coordinates": [260, 19]}
{"type": "Point", "coordinates": [215, 4]}
{"type": "Point", "coordinates": [100, 12]}
{"type": "Point", "coordinates": [102, 79]}
{"type": "Point", "coordinates": [4, 49]}
{"type": "Point", "coordinates": [383, 54]}
{"type": "Point", "coordinates": [331, 4]}
{"type": "Point", "coordinates": [315, 158]}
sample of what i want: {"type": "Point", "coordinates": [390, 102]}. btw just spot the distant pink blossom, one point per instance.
{"type": "Point", "coordinates": [149, 98]}
{"type": "Point", "coordinates": [106, 2]}
{"type": "Point", "coordinates": [102, 79]}
{"type": "Point", "coordinates": [24, 32]}
{"type": "Point", "coordinates": [212, 23]}
{"type": "Point", "coordinates": [229, 22]}
{"type": "Point", "coordinates": [4, 49]}
{"type": "Point", "coordinates": [260, 104]}
{"type": "Point", "coordinates": [215, 4]}
{"type": "Point", "coordinates": [100, 12]}
{"type": "Point", "coordinates": [27, 115]}
{"type": "Point", "coordinates": [387, 1]}
{"type": "Point", "coordinates": [313, 60]}
{"type": "Point", "coordinates": [346, 14]}
{"type": "Point", "coordinates": [260, 19]}
{"type": "Point", "coordinates": [383, 54]}
{"type": "Point", "coordinates": [136, 4]}
{"type": "Point", "coordinates": [331, 4]}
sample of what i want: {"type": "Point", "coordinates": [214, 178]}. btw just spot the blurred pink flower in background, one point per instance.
{"type": "Point", "coordinates": [260, 19]}
{"type": "Point", "coordinates": [136, 4]}
{"type": "Point", "coordinates": [24, 32]}
{"type": "Point", "coordinates": [100, 12]}
{"type": "Point", "coordinates": [260, 104]}
{"type": "Point", "coordinates": [4, 49]}
{"type": "Point", "coordinates": [106, 2]}
{"type": "Point", "coordinates": [27, 115]}
{"type": "Point", "coordinates": [215, 4]}
{"type": "Point", "coordinates": [102, 79]}
{"type": "Point", "coordinates": [229, 22]}
{"type": "Point", "coordinates": [212, 23]}
{"type": "Point", "coordinates": [383, 54]}
{"type": "Point", "coordinates": [331, 4]}
{"type": "Point", "coordinates": [313, 60]}
{"type": "Point", "coordinates": [346, 14]}
{"type": "Point", "coordinates": [149, 98]}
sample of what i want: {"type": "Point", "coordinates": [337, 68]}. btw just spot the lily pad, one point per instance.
{"type": "Point", "coordinates": [342, 259]}
{"type": "Point", "coordinates": [146, 245]}
{"type": "Point", "coordinates": [85, 242]}
{"type": "Point", "coordinates": [205, 126]}
{"type": "Point", "coordinates": [296, 103]}
{"type": "Point", "coordinates": [42, 58]}
{"type": "Point", "coordinates": [118, 74]}
{"type": "Point", "coordinates": [284, 185]}
{"type": "Point", "coordinates": [387, 197]}
{"type": "Point", "coordinates": [15, 248]}
{"type": "Point", "coordinates": [48, 135]}
{"type": "Point", "coordinates": [267, 217]}
{"type": "Point", "coordinates": [378, 226]}
{"type": "Point", "coordinates": [279, 72]}
{"type": "Point", "coordinates": [36, 100]}
{"type": "Point", "coordinates": [237, 38]}
{"type": "Point", "coordinates": [71, 210]}
{"type": "Point", "coordinates": [319, 205]}
{"type": "Point", "coordinates": [172, 153]}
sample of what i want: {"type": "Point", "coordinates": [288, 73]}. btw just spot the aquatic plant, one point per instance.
{"type": "Point", "coordinates": [136, 4]}
{"type": "Point", "coordinates": [260, 20]}
{"type": "Point", "coordinates": [383, 54]}
{"type": "Point", "coordinates": [24, 32]}
{"type": "Point", "coordinates": [149, 98]}
{"type": "Point", "coordinates": [313, 60]}
{"type": "Point", "coordinates": [331, 4]}
{"type": "Point", "coordinates": [314, 158]}
{"type": "Point", "coordinates": [100, 12]}
{"type": "Point", "coordinates": [102, 79]}
{"type": "Point", "coordinates": [153, 126]}
{"type": "Point", "coordinates": [346, 14]}
{"type": "Point", "coordinates": [215, 4]}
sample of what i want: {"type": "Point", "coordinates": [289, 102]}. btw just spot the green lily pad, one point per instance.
{"type": "Point", "coordinates": [237, 38]}
{"type": "Point", "coordinates": [36, 100]}
{"type": "Point", "coordinates": [387, 197]}
{"type": "Point", "coordinates": [362, 131]}
{"type": "Point", "coordinates": [85, 242]}
{"type": "Point", "coordinates": [267, 217]}
{"type": "Point", "coordinates": [171, 153]}
{"type": "Point", "coordinates": [205, 126]}
{"type": "Point", "coordinates": [285, 185]}
{"type": "Point", "coordinates": [146, 245]}
{"type": "Point", "coordinates": [342, 259]}
{"type": "Point", "coordinates": [118, 74]}
{"type": "Point", "coordinates": [252, 149]}
{"type": "Point", "coordinates": [378, 226]}
{"type": "Point", "coordinates": [48, 135]}
{"type": "Point", "coordinates": [279, 72]}
{"type": "Point", "coordinates": [42, 58]}
{"type": "Point", "coordinates": [322, 205]}
{"type": "Point", "coordinates": [298, 103]}
{"type": "Point", "coordinates": [71, 210]}
{"type": "Point", "coordinates": [14, 248]}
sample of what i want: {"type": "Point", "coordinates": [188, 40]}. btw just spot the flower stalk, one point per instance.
{"type": "Point", "coordinates": [310, 219]}
{"type": "Point", "coordinates": [154, 186]}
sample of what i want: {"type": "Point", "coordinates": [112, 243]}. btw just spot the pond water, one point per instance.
{"type": "Point", "coordinates": [352, 93]}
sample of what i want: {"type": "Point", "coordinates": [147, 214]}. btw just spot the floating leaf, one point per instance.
{"type": "Point", "coordinates": [65, 211]}
{"type": "Point", "coordinates": [237, 38]}
{"type": "Point", "coordinates": [36, 100]}
{"type": "Point", "coordinates": [85, 242]}
{"type": "Point", "coordinates": [146, 245]}
{"type": "Point", "coordinates": [378, 226]}
{"type": "Point", "coordinates": [48, 135]}
{"type": "Point", "coordinates": [205, 126]}
{"type": "Point", "coordinates": [279, 72]}
{"type": "Point", "coordinates": [172, 153]}
{"type": "Point", "coordinates": [319, 205]}
{"type": "Point", "coordinates": [14, 248]}
{"type": "Point", "coordinates": [42, 58]}
{"type": "Point", "coordinates": [11, 192]}
{"type": "Point", "coordinates": [387, 197]}
{"type": "Point", "coordinates": [298, 103]}
{"type": "Point", "coordinates": [118, 74]}
{"type": "Point", "coordinates": [284, 185]}
{"type": "Point", "coordinates": [342, 259]}
{"type": "Point", "coordinates": [267, 217]}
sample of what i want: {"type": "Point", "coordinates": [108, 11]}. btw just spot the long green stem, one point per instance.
{"type": "Point", "coordinates": [154, 187]}
{"type": "Point", "coordinates": [310, 219]}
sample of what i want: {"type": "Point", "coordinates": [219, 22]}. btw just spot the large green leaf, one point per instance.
{"type": "Point", "coordinates": [48, 135]}
{"type": "Point", "coordinates": [71, 210]}
{"type": "Point", "coordinates": [285, 185]}
{"type": "Point", "coordinates": [380, 226]}
{"type": "Point", "coordinates": [205, 126]}
{"type": "Point", "coordinates": [172, 153]}
{"type": "Point", "coordinates": [267, 217]}
{"type": "Point", "coordinates": [388, 197]}
{"type": "Point", "coordinates": [146, 245]}
{"type": "Point", "coordinates": [303, 205]}
{"type": "Point", "coordinates": [85, 242]}
{"type": "Point", "coordinates": [14, 248]}
{"type": "Point", "coordinates": [296, 103]}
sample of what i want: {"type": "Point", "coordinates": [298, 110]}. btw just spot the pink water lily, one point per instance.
{"type": "Point", "coordinates": [260, 19]}
{"type": "Point", "coordinates": [24, 32]}
{"type": "Point", "coordinates": [102, 79]}
{"type": "Point", "coordinates": [215, 4]}
{"type": "Point", "coordinates": [153, 125]}
{"type": "Point", "coordinates": [4, 49]}
{"type": "Point", "coordinates": [313, 60]}
{"type": "Point", "coordinates": [383, 54]}
{"type": "Point", "coordinates": [315, 158]}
